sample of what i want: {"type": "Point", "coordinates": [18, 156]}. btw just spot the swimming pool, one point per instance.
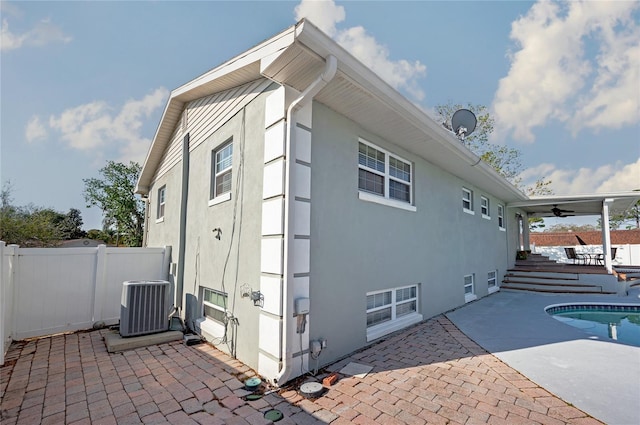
{"type": "Point", "coordinates": [620, 322]}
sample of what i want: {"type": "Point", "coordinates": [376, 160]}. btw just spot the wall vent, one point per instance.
{"type": "Point", "coordinates": [144, 308]}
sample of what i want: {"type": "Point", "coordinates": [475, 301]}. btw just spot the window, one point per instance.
{"type": "Point", "coordinates": [222, 162]}
{"type": "Point", "coordinates": [501, 217]}
{"type": "Point", "coordinates": [484, 207]}
{"type": "Point", "coordinates": [391, 309]}
{"type": "Point", "coordinates": [492, 281]}
{"type": "Point", "coordinates": [214, 304]}
{"type": "Point", "coordinates": [161, 201]}
{"type": "Point", "coordinates": [467, 200]}
{"type": "Point", "coordinates": [383, 174]}
{"type": "Point", "coordinates": [469, 288]}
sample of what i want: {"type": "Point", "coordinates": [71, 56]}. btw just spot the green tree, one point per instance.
{"type": "Point", "coordinates": [630, 219]}
{"type": "Point", "coordinates": [122, 210]}
{"type": "Point", "coordinates": [28, 225]}
{"type": "Point", "coordinates": [505, 160]}
{"type": "Point", "coordinates": [71, 225]}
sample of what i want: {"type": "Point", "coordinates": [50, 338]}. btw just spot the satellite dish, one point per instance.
{"type": "Point", "coordinates": [463, 122]}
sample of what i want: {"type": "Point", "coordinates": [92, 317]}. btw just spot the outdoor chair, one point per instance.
{"type": "Point", "coordinates": [575, 257]}
{"type": "Point", "coordinates": [600, 257]}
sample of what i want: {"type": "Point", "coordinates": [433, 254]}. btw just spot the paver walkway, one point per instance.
{"type": "Point", "coordinates": [430, 373]}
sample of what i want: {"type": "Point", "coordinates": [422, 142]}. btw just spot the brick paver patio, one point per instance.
{"type": "Point", "coordinates": [428, 374]}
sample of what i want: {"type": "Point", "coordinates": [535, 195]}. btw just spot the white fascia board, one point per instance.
{"type": "Point", "coordinates": [262, 50]}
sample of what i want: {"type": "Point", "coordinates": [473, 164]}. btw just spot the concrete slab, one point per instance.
{"type": "Point", "coordinates": [116, 343]}
{"type": "Point", "coordinates": [597, 375]}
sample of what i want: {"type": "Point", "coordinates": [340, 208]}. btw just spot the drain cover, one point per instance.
{"type": "Point", "coordinates": [252, 384]}
{"type": "Point", "coordinates": [311, 389]}
{"type": "Point", "coordinates": [273, 415]}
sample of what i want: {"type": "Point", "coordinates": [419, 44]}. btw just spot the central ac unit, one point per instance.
{"type": "Point", "coordinates": [144, 308]}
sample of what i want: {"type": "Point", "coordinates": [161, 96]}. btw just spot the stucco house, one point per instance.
{"type": "Point", "coordinates": [312, 208]}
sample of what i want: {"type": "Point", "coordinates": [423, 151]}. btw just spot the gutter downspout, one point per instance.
{"type": "Point", "coordinates": [331, 66]}
{"type": "Point", "coordinates": [184, 195]}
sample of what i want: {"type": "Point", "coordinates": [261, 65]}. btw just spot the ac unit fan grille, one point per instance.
{"type": "Point", "coordinates": [144, 308]}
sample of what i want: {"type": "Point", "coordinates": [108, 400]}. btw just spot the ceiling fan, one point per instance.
{"type": "Point", "coordinates": [560, 212]}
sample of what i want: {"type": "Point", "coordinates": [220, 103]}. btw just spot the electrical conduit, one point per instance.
{"type": "Point", "coordinates": [331, 66]}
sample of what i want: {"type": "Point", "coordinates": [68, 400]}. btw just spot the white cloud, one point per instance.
{"type": "Point", "coordinates": [96, 128]}
{"type": "Point", "coordinates": [401, 74]}
{"type": "Point", "coordinates": [35, 130]}
{"type": "Point", "coordinates": [554, 76]}
{"type": "Point", "coordinates": [608, 178]}
{"type": "Point", "coordinates": [42, 34]}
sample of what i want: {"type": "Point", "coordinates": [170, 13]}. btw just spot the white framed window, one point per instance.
{"type": "Point", "coordinates": [501, 224]}
{"type": "Point", "coordinates": [467, 200]}
{"type": "Point", "coordinates": [469, 288]}
{"type": "Point", "coordinates": [485, 207]}
{"type": "Point", "coordinates": [214, 305]}
{"type": "Point", "coordinates": [391, 309]}
{"type": "Point", "coordinates": [492, 281]}
{"type": "Point", "coordinates": [221, 173]}
{"type": "Point", "coordinates": [161, 203]}
{"type": "Point", "coordinates": [384, 175]}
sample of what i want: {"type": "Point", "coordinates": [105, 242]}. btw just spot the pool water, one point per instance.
{"type": "Point", "coordinates": [619, 322]}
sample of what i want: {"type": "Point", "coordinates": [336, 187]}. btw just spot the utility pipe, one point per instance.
{"type": "Point", "coordinates": [184, 195]}
{"type": "Point", "coordinates": [331, 66]}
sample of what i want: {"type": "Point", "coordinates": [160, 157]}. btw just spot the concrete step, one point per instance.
{"type": "Point", "coordinates": [554, 289]}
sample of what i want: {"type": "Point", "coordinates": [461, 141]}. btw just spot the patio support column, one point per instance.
{"type": "Point", "coordinates": [606, 235]}
{"type": "Point", "coordinates": [525, 232]}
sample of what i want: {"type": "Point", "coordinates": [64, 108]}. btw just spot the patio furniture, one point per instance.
{"type": "Point", "coordinates": [577, 258]}
{"type": "Point", "coordinates": [599, 258]}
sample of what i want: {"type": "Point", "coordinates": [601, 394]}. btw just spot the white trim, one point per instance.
{"type": "Point", "coordinates": [375, 332]}
{"type": "Point", "coordinates": [219, 199]}
{"type": "Point", "coordinates": [470, 297]}
{"type": "Point", "coordinates": [211, 327]}
{"type": "Point", "coordinates": [160, 220]}
{"type": "Point", "coordinates": [501, 217]}
{"type": "Point", "coordinates": [370, 197]}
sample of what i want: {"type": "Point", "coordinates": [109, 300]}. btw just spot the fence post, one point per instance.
{"type": "Point", "coordinates": [3, 302]}
{"type": "Point", "coordinates": [99, 284]}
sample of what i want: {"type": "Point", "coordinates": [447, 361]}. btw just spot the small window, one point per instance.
{"type": "Point", "coordinates": [214, 304]}
{"type": "Point", "coordinates": [484, 207]}
{"type": "Point", "coordinates": [467, 200]}
{"type": "Point", "coordinates": [469, 288]}
{"type": "Point", "coordinates": [222, 166]}
{"type": "Point", "coordinates": [383, 174]}
{"type": "Point", "coordinates": [492, 281]}
{"type": "Point", "coordinates": [501, 225]}
{"type": "Point", "coordinates": [161, 202]}
{"type": "Point", "coordinates": [391, 309]}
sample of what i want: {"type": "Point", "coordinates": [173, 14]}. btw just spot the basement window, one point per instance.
{"type": "Point", "coordinates": [469, 288]}
{"type": "Point", "coordinates": [391, 309]}
{"type": "Point", "coordinates": [492, 281]}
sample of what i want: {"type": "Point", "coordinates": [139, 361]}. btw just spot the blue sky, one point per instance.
{"type": "Point", "coordinates": [86, 82]}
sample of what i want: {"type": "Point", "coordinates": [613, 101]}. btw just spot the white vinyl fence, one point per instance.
{"type": "Point", "coordinates": [626, 255]}
{"type": "Point", "coordinates": [44, 291]}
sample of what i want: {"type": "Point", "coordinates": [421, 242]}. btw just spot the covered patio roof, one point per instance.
{"type": "Point", "coordinates": [577, 205]}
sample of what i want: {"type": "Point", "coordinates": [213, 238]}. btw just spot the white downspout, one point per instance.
{"type": "Point", "coordinates": [331, 66]}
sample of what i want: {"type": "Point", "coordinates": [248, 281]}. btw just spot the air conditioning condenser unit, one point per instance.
{"type": "Point", "coordinates": [145, 307]}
